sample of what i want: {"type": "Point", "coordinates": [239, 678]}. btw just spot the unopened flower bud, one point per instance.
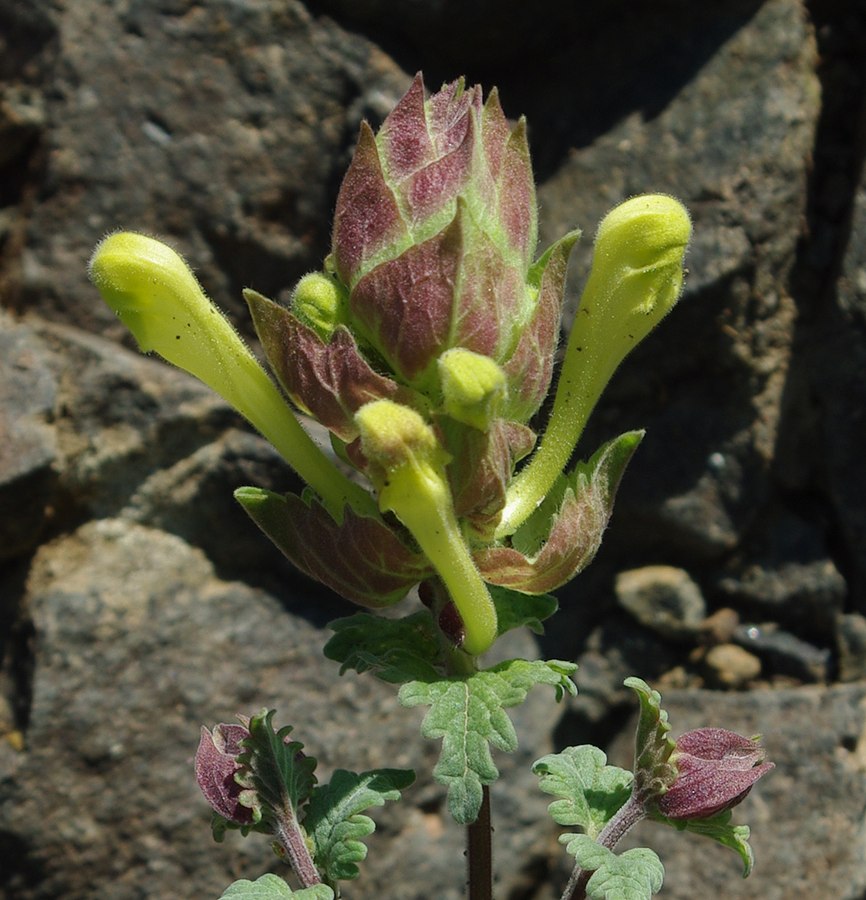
{"type": "Point", "coordinates": [215, 768]}
{"type": "Point", "coordinates": [716, 768]}
{"type": "Point", "coordinates": [473, 387]}
{"type": "Point", "coordinates": [319, 302]}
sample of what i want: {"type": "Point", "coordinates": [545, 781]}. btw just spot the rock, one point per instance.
{"type": "Point", "coordinates": [663, 599]}
{"type": "Point", "coordinates": [700, 474]}
{"type": "Point", "coordinates": [851, 640]}
{"type": "Point", "coordinates": [139, 643]}
{"type": "Point", "coordinates": [783, 654]}
{"type": "Point", "coordinates": [28, 444]}
{"type": "Point", "coordinates": [788, 578]}
{"type": "Point", "coordinates": [729, 666]}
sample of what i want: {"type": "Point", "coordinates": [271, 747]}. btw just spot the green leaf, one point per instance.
{"type": "Point", "coordinates": [591, 791]}
{"type": "Point", "coordinates": [468, 713]}
{"type": "Point", "coordinates": [653, 771]}
{"type": "Point", "coordinates": [335, 822]}
{"type": "Point", "coordinates": [719, 829]}
{"type": "Point", "coordinates": [394, 650]}
{"type": "Point", "coordinates": [514, 610]}
{"type": "Point", "coordinates": [271, 887]}
{"type": "Point", "coordinates": [277, 770]}
{"type": "Point", "coordinates": [634, 875]}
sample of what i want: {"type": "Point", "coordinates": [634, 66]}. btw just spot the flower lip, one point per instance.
{"type": "Point", "coordinates": [716, 769]}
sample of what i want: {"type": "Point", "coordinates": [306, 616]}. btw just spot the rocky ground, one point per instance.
{"type": "Point", "coordinates": [137, 601]}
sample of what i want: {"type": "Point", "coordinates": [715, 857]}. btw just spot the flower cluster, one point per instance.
{"type": "Point", "coordinates": [426, 346]}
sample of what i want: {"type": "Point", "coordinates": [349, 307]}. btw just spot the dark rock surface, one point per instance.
{"type": "Point", "coordinates": [136, 600]}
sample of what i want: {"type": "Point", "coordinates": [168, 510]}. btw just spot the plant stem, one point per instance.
{"type": "Point", "coordinates": [480, 852]}
{"type": "Point", "coordinates": [297, 853]}
{"type": "Point", "coordinates": [628, 815]}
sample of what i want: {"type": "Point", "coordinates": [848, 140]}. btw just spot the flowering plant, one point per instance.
{"type": "Point", "coordinates": [425, 346]}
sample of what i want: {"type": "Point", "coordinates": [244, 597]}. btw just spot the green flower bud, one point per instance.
{"type": "Point", "coordinates": [319, 302]}
{"type": "Point", "coordinates": [473, 387]}
{"type": "Point", "coordinates": [157, 297]}
{"type": "Point", "coordinates": [407, 465]}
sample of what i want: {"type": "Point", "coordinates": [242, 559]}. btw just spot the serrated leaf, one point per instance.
{"type": "Point", "coordinates": [515, 610]}
{"type": "Point", "coordinates": [468, 713]}
{"type": "Point", "coordinates": [653, 771]}
{"type": "Point", "coordinates": [634, 875]}
{"type": "Point", "coordinates": [272, 887]}
{"type": "Point", "coordinates": [719, 829]}
{"type": "Point", "coordinates": [334, 819]}
{"type": "Point", "coordinates": [276, 769]}
{"type": "Point", "coordinates": [591, 791]}
{"type": "Point", "coordinates": [563, 534]}
{"type": "Point", "coordinates": [394, 650]}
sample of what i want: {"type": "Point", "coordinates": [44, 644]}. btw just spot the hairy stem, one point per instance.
{"type": "Point", "coordinates": [628, 815]}
{"type": "Point", "coordinates": [480, 853]}
{"type": "Point", "coordinates": [297, 853]}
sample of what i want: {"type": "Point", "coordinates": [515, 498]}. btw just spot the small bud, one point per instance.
{"type": "Point", "coordinates": [393, 437]}
{"type": "Point", "coordinates": [319, 302]}
{"type": "Point", "coordinates": [473, 387]}
{"type": "Point", "coordinates": [215, 768]}
{"type": "Point", "coordinates": [716, 769]}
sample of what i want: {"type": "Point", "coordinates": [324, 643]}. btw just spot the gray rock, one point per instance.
{"type": "Point", "coordinates": [734, 144]}
{"type": "Point", "coordinates": [851, 639]}
{"type": "Point", "coordinates": [28, 444]}
{"type": "Point", "coordinates": [784, 654]}
{"type": "Point", "coordinates": [664, 599]}
{"type": "Point", "coordinates": [788, 578]}
{"type": "Point", "coordinates": [138, 645]}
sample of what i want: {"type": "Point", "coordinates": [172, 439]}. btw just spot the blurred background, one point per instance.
{"type": "Point", "coordinates": [137, 602]}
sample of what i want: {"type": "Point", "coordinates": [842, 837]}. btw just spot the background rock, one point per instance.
{"type": "Point", "coordinates": [137, 601]}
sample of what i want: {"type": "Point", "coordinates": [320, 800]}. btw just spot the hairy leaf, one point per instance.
{"type": "Point", "coordinates": [653, 771]}
{"type": "Point", "coordinates": [563, 535]}
{"type": "Point", "coordinates": [394, 650]}
{"type": "Point", "coordinates": [335, 822]}
{"type": "Point", "coordinates": [719, 829]}
{"type": "Point", "coordinates": [468, 713]}
{"type": "Point", "coordinates": [272, 887]}
{"type": "Point", "coordinates": [277, 770]}
{"type": "Point", "coordinates": [515, 610]}
{"type": "Point", "coordinates": [634, 875]}
{"type": "Point", "coordinates": [373, 568]}
{"type": "Point", "coordinates": [591, 791]}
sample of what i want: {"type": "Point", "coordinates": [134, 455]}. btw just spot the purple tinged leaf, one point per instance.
{"type": "Point", "coordinates": [331, 381]}
{"type": "Point", "coordinates": [367, 217]}
{"type": "Point", "coordinates": [430, 189]}
{"type": "Point", "coordinates": [530, 367]}
{"type": "Point", "coordinates": [215, 768]}
{"type": "Point", "coordinates": [481, 467]}
{"type": "Point", "coordinates": [490, 295]}
{"type": "Point", "coordinates": [362, 559]}
{"type": "Point", "coordinates": [562, 537]}
{"type": "Point", "coordinates": [716, 769]}
{"type": "Point", "coordinates": [518, 210]}
{"type": "Point", "coordinates": [405, 304]}
{"type": "Point", "coordinates": [494, 132]}
{"type": "Point", "coordinates": [403, 139]}
{"type": "Point", "coordinates": [448, 112]}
